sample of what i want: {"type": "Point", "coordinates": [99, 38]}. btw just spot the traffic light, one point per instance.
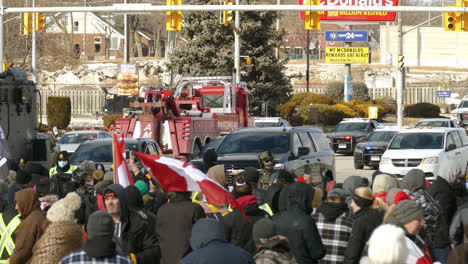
{"type": "Point", "coordinates": [6, 65]}
{"type": "Point", "coordinates": [28, 25]}
{"type": "Point", "coordinates": [248, 62]}
{"type": "Point", "coordinates": [227, 15]}
{"type": "Point", "coordinates": [174, 18]}
{"type": "Point", "coordinates": [39, 22]}
{"type": "Point", "coordinates": [450, 21]}
{"type": "Point", "coordinates": [312, 18]}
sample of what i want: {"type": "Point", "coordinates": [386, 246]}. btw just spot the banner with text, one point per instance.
{"type": "Point", "coordinates": [355, 15]}
{"type": "Point", "coordinates": [347, 55]}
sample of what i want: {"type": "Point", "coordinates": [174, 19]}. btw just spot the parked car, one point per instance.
{"type": "Point", "coordinates": [437, 122]}
{"type": "Point", "coordinates": [100, 150]}
{"type": "Point", "coordinates": [270, 122]}
{"type": "Point", "coordinates": [299, 150]}
{"type": "Point", "coordinates": [70, 141]}
{"type": "Point", "coordinates": [436, 151]}
{"type": "Point", "coordinates": [460, 114]}
{"type": "Point", "coordinates": [349, 132]}
{"type": "Point", "coordinates": [369, 152]}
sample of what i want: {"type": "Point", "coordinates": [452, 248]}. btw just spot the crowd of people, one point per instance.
{"type": "Point", "coordinates": [78, 215]}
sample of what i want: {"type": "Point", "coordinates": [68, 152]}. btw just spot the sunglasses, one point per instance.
{"type": "Point", "coordinates": [62, 160]}
{"type": "Point", "coordinates": [267, 161]}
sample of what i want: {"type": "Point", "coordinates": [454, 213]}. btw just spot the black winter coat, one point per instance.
{"type": "Point", "coordinates": [366, 220]}
{"type": "Point", "coordinates": [174, 224]}
{"type": "Point", "coordinates": [239, 230]}
{"type": "Point", "coordinates": [296, 224]}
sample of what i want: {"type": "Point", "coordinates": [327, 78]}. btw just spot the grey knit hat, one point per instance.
{"type": "Point", "coordinates": [100, 224]}
{"type": "Point", "coordinates": [263, 229]}
{"type": "Point", "coordinates": [406, 211]}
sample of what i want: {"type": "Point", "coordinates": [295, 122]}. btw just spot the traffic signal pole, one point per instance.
{"type": "Point", "coordinates": [400, 84]}
{"type": "Point", "coordinates": [236, 58]}
{"type": "Point", "coordinates": [34, 48]}
{"type": "Point", "coordinates": [1, 32]}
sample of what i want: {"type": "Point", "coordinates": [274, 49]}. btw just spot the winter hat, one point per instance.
{"type": "Point", "coordinates": [336, 193]}
{"type": "Point", "coordinates": [22, 177]}
{"type": "Point", "coordinates": [11, 177]}
{"type": "Point", "coordinates": [241, 187]}
{"type": "Point", "coordinates": [210, 156]}
{"type": "Point", "coordinates": [218, 174]}
{"type": "Point", "coordinates": [415, 179]}
{"type": "Point", "coordinates": [64, 209]}
{"type": "Point", "coordinates": [135, 199]}
{"type": "Point", "coordinates": [251, 175]}
{"type": "Point", "coordinates": [98, 175]}
{"type": "Point", "coordinates": [108, 176]}
{"type": "Point", "coordinates": [263, 229]}
{"type": "Point", "coordinates": [100, 224]}
{"type": "Point", "coordinates": [387, 245]}
{"type": "Point", "coordinates": [12, 192]}
{"type": "Point", "coordinates": [383, 183]}
{"type": "Point", "coordinates": [406, 211]}
{"type": "Point", "coordinates": [391, 195]}
{"type": "Point", "coordinates": [63, 155]}
{"type": "Point", "coordinates": [142, 187]}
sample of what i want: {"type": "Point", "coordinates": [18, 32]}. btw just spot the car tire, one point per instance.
{"type": "Point", "coordinates": [358, 166]}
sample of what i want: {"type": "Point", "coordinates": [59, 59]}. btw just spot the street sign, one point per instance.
{"type": "Point", "coordinates": [347, 55]}
{"type": "Point", "coordinates": [346, 36]}
{"type": "Point", "coordinates": [355, 15]}
{"type": "Point", "coordinates": [443, 93]}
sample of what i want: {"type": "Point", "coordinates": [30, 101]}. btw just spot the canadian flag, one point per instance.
{"type": "Point", "coordinates": [122, 174]}
{"type": "Point", "coordinates": [177, 176]}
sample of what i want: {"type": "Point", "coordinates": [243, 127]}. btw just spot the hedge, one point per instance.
{"type": "Point", "coordinates": [110, 119]}
{"type": "Point", "coordinates": [317, 99]}
{"type": "Point", "coordinates": [336, 91]}
{"type": "Point", "coordinates": [58, 112]}
{"type": "Point", "coordinates": [422, 110]}
{"type": "Point", "coordinates": [327, 115]}
{"type": "Point", "coordinates": [360, 92]}
{"type": "Point", "coordinates": [348, 111]}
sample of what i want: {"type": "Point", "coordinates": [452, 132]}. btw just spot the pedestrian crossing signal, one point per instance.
{"type": "Point", "coordinates": [227, 15]}
{"type": "Point", "coordinates": [450, 21]}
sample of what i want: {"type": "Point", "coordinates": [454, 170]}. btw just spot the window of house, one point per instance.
{"type": "Point", "coordinates": [76, 25]}
{"type": "Point", "coordinates": [97, 44]}
{"type": "Point", "coordinates": [114, 43]}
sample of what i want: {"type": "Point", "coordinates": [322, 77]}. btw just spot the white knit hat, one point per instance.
{"type": "Point", "coordinates": [64, 209]}
{"type": "Point", "coordinates": [387, 245]}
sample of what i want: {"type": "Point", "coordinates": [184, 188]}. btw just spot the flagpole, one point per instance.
{"type": "Point", "coordinates": [114, 173]}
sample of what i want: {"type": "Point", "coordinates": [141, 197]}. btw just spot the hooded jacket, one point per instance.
{"type": "Point", "coordinates": [459, 255]}
{"type": "Point", "coordinates": [136, 236]}
{"type": "Point", "coordinates": [218, 174]}
{"type": "Point", "coordinates": [350, 184]}
{"type": "Point", "coordinates": [274, 250]}
{"type": "Point", "coordinates": [32, 226]}
{"type": "Point", "coordinates": [238, 229]}
{"type": "Point", "coordinates": [296, 224]}
{"type": "Point", "coordinates": [174, 224]}
{"type": "Point", "coordinates": [135, 201]}
{"type": "Point", "coordinates": [441, 190]}
{"type": "Point", "coordinates": [210, 246]}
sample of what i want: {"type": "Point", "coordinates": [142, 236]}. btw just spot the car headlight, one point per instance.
{"type": "Point", "coordinates": [385, 161]}
{"type": "Point", "coordinates": [430, 160]}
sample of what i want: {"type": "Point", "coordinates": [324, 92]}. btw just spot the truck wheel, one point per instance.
{"type": "Point", "coordinates": [358, 166]}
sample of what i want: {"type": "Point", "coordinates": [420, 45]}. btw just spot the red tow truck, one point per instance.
{"type": "Point", "coordinates": [184, 120]}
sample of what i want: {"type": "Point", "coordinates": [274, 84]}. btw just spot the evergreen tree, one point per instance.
{"type": "Point", "coordinates": [210, 47]}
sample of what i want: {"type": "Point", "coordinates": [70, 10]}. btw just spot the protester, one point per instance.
{"type": "Point", "coordinates": [350, 184]}
{"type": "Point", "coordinates": [303, 235]}
{"type": "Point", "coordinates": [382, 184]}
{"type": "Point", "coordinates": [251, 177]}
{"type": "Point", "coordinates": [210, 158]}
{"type": "Point", "coordinates": [174, 224]}
{"type": "Point", "coordinates": [457, 226]}
{"type": "Point", "coordinates": [63, 235]}
{"type": "Point", "coordinates": [276, 197]}
{"type": "Point", "coordinates": [135, 202]}
{"type": "Point", "coordinates": [11, 221]}
{"type": "Point", "coordinates": [409, 215]}
{"type": "Point", "coordinates": [271, 247]}
{"type": "Point", "coordinates": [155, 198]}
{"type": "Point", "coordinates": [387, 245]}
{"type": "Point", "coordinates": [63, 165]}
{"type": "Point", "coordinates": [99, 247]}
{"type": "Point", "coordinates": [367, 218]}
{"type": "Point", "coordinates": [391, 195]}
{"type": "Point", "coordinates": [218, 174]}
{"type": "Point", "coordinates": [133, 235]}
{"type": "Point", "coordinates": [61, 175]}
{"type": "Point", "coordinates": [334, 222]}
{"type": "Point", "coordinates": [209, 244]}
{"type": "Point", "coordinates": [459, 254]}
{"type": "Point", "coordinates": [22, 180]}
{"type": "Point", "coordinates": [32, 227]}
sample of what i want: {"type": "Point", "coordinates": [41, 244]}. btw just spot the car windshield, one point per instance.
{"type": "Point", "coordinates": [345, 127]}
{"type": "Point", "coordinates": [463, 104]}
{"type": "Point", "coordinates": [433, 124]}
{"type": "Point", "coordinates": [384, 136]}
{"type": "Point", "coordinates": [276, 143]}
{"type": "Point", "coordinates": [77, 138]}
{"type": "Point", "coordinates": [418, 141]}
{"type": "Point", "coordinates": [97, 152]}
{"type": "Point", "coordinates": [266, 124]}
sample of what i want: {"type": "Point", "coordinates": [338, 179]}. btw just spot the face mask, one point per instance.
{"type": "Point", "coordinates": [62, 163]}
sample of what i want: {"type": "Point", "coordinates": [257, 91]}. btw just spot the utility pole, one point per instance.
{"type": "Point", "coordinates": [400, 84]}
{"type": "Point", "coordinates": [236, 80]}
{"type": "Point", "coordinates": [278, 2]}
{"type": "Point", "coordinates": [307, 60]}
{"type": "Point", "coordinates": [1, 32]}
{"type": "Point", "coordinates": [34, 48]}
{"type": "Point", "coordinates": [126, 57]}
{"type": "Point", "coordinates": [348, 78]}
{"type": "Point", "coordinates": [84, 34]}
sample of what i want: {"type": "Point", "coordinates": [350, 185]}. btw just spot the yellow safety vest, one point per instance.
{"type": "Point", "coordinates": [266, 207]}
{"type": "Point", "coordinates": [5, 232]}
{"type": "Point", "coordinates": [53, 170]}
{"type": "Point", "coordinates": [197, 197]}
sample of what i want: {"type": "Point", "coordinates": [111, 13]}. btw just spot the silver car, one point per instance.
{"type": "Point", "coordinates": [70, 141]}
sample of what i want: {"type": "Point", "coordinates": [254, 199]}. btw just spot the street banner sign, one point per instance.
{"type": "Point", "coordinates": [347, 55]}
{"type": "Point", "coordinates": [346, 36]}
{"type": "Point", "coordinates": [443, 93]}
{"type": "Point", "coordinates": [355, 15]}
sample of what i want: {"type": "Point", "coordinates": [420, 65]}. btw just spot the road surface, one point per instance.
{"type": "Point", "coordinates": [345, 167]}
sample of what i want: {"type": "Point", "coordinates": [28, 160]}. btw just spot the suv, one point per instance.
{"type": "Point", "coordinates": [369, 152]}
{"type": "Point", "coordinates": [349, 132]}
{"type": "Point", "coordinates": [437, 122]}
{"type": "Point", "coordinates": [460, 114]}
{"type": "Point", "coordinates": [70, 141]}
{"type": "Point", "coordinates": [299, 150]}
{"type": "Point", "coordinates": [270, 122]}
{"type": "Point", "coordinates": [436, 151]}
{"type": "Point", "coordinates": [100, 150]}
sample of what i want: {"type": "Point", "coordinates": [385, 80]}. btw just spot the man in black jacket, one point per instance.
{"type": "Point", "coordinates": [133, 235]}
{"type": "Point", "coordinates": [296, 224]}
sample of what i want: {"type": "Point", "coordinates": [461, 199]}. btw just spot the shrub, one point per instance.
{"type": "Point", "coordinates": [360, 92]}
{"type": "Point", "coordinates": [58, 112]}
{"type": "Point", "coordinates": [110, 119]}
{"type": "Point", "coordinates": [387, 108]}
{"type": "Point", "coordinates": [298, 97]}
{"type": "Point", "coordinates": [42, 127]}
{"type": "Point", "coordinates": [335, 90]}
{"type": "Point", "coordinates": [327, 115]}
{"type": "Point", "coordinates": [422, 110]}
{"type": "Point", "coordinates": [317, 99]}
{"type": "Point", "coordinates": [296, 120]}
{"type": "Point", "coordinates": [354, 104]}
{"type": "Point", "coordinates": [387, 99]}
{"type": "Point", "coordinates": [348, 111]}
